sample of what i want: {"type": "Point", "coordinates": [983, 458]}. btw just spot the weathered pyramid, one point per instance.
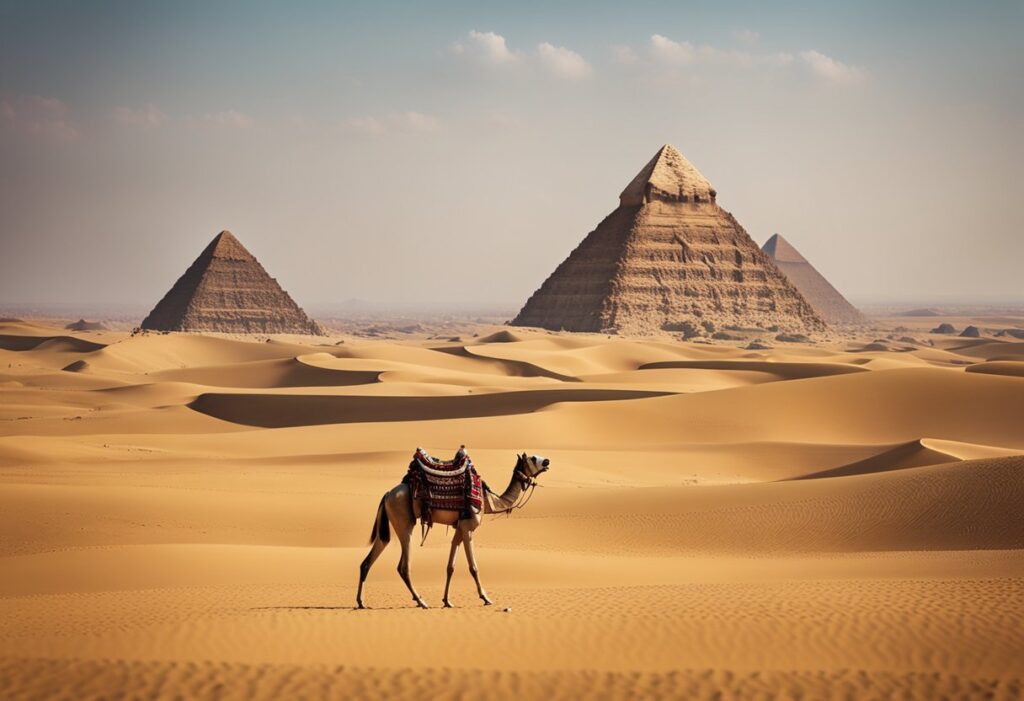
{"type": "Point", "coordinates": [227, 290]}
{"type": "Point", "coordinates": [826, 300]}
{"type": "Point", "coordinates": [668, 257]}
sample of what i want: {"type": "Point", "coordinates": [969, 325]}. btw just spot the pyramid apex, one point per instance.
{"type": "Point", "coordinates": [782, 250]}
{"type": "Point", "coordinates": [226, 245]}
{"type": "Point", "coordinates": [668, 177]}
{"type": "Point", "coordinates": [826, 299]}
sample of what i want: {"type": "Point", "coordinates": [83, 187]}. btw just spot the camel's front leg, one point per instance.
{"type": "Point", "coordinates": [456, 542]}
{"type": "Point", "coordinates": [467, 541]}
{"type": "Point", "coordinates": [405, 537]}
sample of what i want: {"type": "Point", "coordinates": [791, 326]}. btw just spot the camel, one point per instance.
{"type": "Point", "coordinates": [400, 511]}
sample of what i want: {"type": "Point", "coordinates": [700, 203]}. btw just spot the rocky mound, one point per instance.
{"type": "Point", "coordinates": [227, 290]}
{"type": "Point", "coordinates": [667, 259]}
{"type": "Point", "coordinates": [971, 332]}
{"type": "Point", "coordinates": [944, 328]}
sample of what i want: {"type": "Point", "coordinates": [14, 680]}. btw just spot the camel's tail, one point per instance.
{"type": "Point", "coordinates": [381, 528]}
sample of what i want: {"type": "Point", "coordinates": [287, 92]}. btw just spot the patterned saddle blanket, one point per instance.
{"type": "Point", "coordinates": [451, 485]}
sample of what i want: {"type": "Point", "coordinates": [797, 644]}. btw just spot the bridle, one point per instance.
{"type": "Point", "coordinates": [527, 480]}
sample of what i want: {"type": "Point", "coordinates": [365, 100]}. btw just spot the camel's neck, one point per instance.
{"type": "Point", "coordinates": [505, 501]}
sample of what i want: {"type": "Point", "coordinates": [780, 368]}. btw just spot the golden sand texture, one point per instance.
{"type": "Point", "coordinates": [183, 516]}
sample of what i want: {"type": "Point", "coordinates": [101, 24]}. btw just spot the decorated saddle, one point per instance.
{"type": "Point", "coordinates": [450, 485]}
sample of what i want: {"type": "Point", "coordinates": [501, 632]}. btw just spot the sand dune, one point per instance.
{"type": "Point", "coordinates": [183, 517]}
{"type": "Point", "coordinates": [1009, 368]}
{"type": "Point", "coordinates": [65, 344]}
{"type": "Point", "coordinates": [276, 411]}
{"type": "Point", "coordinates": [154, 352]}
{"type": "Point", "coordinates": [781, 370]}
{"type": "Point", "coordinates": [289, 372]}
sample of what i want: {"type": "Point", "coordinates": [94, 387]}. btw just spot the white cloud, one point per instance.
{"type": "Point", "coordinates": [562, 62]}
{"type": "Point", "coordinates": [623, 54]}
{"type": "Point", "coordinates": [675, 52]}
{"type": "Point", "coordinates": [366, 125]}
{"type": "Point", "coordinates": [414, 121]}
{"type": "Point", "coordinates": [830, 69]}
{"type": "Point", "coordinates": [38, 116]}
{"type": "Point", "coordinates": [683, 53]}
{"type": "Point", "coordinates": [410, 121]}
{"type": "Point", "coordinates": [747, 36]}
{"type": "Point", "coordinates": [229, 118]}
{"type": "Point", "coordinates": [145, 117]}
{"type": "Point", "coordinates": [486, 47]}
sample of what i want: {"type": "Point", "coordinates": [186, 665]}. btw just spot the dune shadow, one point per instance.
{"type": "Point", "coordinates": [287, 410]}
{"type": "Point", "coordinates": [783, 370]}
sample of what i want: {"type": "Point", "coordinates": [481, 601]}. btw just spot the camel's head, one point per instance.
{"type": "Point", "coordinates": [533, 465]}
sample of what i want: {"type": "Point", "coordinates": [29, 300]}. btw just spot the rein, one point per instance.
{"type": "Point", "coordinates": [529, 485]}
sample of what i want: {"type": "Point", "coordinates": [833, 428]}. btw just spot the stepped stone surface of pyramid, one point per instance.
{"type": "Point", "coordinates": [227, 290]}
{"type": "Point", "coordinates": [826, 299]}
{"type": "Point", "coordinates": [666, 259]}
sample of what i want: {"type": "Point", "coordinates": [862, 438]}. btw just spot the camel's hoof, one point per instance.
{"type": "Point", "coordinates": [447, 605]}
{"type": "Point", "coordinates": [422, 604]}
{"type": "Point", "coordinates": [487, 602]}
{"type": "Point", "coordinates": [359, 606]}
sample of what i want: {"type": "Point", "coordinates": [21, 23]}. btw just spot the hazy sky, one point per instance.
{"type": "Point", "coordinates": [449, 151]}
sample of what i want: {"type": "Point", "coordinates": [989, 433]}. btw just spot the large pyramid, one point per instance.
{"type": "Point", "coordinates": [825, 299]}
{"type": "Point", "coordinates": [227, 290]}
{"type": "Point", "coordinates": [668, 255]}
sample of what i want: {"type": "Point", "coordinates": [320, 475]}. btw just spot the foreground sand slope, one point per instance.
{"type": "Point", "coordinates": [183, 516]}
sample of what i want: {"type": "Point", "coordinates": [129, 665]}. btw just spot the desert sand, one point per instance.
{"type": "Point", "coordinates": [183, 516]}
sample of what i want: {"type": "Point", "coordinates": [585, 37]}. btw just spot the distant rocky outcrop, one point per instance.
{"type": "Point", "coordinates": [793, 338]}
{"type": "Point", "coordinates": [944, 328]}
{"type": "Point", "coordinates": [667, 260]}
{"type": "Point", "coordinates": [921, 312]}
{"type": "Point", "coordinates": [971, 332]}
{"type": "Point", "coordinates": [83, 325]}
{"type": "Point", "coordinates": [825, 298]}
{"type": "Point", "coordinates": [227, 290]}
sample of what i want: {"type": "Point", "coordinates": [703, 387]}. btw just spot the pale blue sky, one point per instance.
{"type": "Point", "coordinates": [434, 151]}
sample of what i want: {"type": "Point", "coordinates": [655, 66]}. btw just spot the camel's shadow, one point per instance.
{"type": "Point", "coordinates": [332, 608]}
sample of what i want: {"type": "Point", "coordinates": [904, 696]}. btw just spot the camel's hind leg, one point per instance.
{"type": "Point", "coordinates": [456, 542]}
{"type": "Point", "coordinates": [467, 541]}
{"type": "Point", "coordinates": [379, 539]}
{"type": "Point", "coordinates": [364, 569]}
{"type": "Point", "coordinates": [405, 538]}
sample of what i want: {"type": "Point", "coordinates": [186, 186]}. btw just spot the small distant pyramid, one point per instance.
{"type": "Point", "coordinates": [668, 258]}
{"type": "Point", "coordinates": [228, 291]}
{"type": "Point", "coordinates": [825, 298]}
{"type": "Point", "coordinates": [83, 325]}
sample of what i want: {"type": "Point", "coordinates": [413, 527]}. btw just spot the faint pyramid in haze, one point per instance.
{"type": "Point", "coordinates": [825, 299]}
{"type": "Point", "coordinates": [227, 290]}
{"type": "Point", "coordinates": [666, 258]}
